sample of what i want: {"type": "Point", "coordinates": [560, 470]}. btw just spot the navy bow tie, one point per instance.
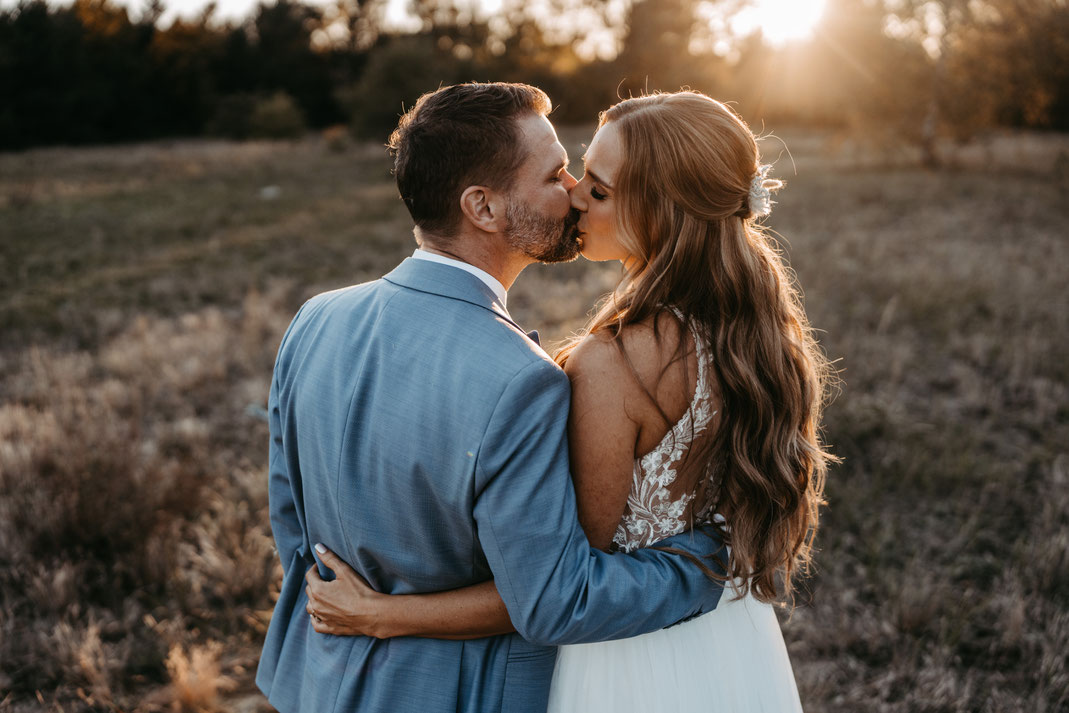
{"type": "Point", "coordinates": [533, 336]}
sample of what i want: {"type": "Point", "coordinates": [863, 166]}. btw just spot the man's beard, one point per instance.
{"type": "Point", "coordinates": [541, 237]}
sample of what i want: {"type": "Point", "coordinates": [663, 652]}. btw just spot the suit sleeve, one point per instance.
{"type": "Point", "coordinates": [285, 525]}
{"type": "Point", "coordinates": [558, 590]}
{"type": "Point", "coordinates": [284, 486]}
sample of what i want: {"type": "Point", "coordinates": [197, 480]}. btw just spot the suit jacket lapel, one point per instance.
{"type": "Point", "coordinates": [436, 278]}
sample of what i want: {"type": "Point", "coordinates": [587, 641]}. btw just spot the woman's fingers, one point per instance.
{"type": "Point", "coordinates": [315, 606]}
{"type": "Point", "coordinates": [334, 563]}
{"type": "Point", "coordinates": [328, 558]}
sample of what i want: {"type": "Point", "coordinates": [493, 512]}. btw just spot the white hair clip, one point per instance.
{"type": "Point", "coordinates": [761, 187]}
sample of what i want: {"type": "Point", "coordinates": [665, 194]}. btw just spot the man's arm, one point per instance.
{"type": "Point", "coordinates": [556, 588]}
{"type": "Point", "coordinates": [284, 487]}
{"type": "Point", "coordinates": [285, 524]}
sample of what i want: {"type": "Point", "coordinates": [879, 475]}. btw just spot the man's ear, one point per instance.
{"type": "Point", "coordinates": [484, 208]}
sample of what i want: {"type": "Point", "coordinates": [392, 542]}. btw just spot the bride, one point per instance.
{"type": "Point", "coordinates": [697, 393]}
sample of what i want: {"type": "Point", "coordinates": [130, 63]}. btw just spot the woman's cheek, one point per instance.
{"type": "Point", "coordinates": [594, 246]}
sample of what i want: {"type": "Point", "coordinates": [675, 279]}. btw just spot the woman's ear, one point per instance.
{"type": "Point", "coordinates": [484, 208]}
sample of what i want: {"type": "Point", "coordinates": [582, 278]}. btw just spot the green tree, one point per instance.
{"type": "Point", "coordinates": [656, 51]}
{"type": "Point", "coordinates": [398, 71]}
{"type": "Point", "coordinates": [993, 63]}
{"type": "Point", "coordinates": [285, 59]}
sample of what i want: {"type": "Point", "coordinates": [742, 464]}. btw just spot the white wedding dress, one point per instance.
{"type": "Point", "coordinates": [730, 660]}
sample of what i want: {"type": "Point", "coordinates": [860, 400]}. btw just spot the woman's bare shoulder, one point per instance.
{"type": "Point", "coordinates": [642, 363]}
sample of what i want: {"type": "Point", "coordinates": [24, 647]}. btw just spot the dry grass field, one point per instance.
{"type": "Point", "coordinates": [143, 291]}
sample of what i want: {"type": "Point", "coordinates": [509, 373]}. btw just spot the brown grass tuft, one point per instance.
{"type": "Point", "coordinates": [197, 679]}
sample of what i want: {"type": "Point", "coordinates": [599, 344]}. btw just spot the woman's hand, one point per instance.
{"type": "Point", "coordinates": [347, 606]}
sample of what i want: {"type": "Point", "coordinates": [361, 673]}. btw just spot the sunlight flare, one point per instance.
{"type": "Point", "coordinates": [780, 21]}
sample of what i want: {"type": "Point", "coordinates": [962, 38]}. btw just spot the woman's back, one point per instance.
{"type": "Point", "coordinates": [671, 486]}
{"type": "Point", "coordinates": [642, 411]}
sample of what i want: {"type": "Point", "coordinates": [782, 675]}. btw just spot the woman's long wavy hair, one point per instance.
{"type": "Point", "coordinates": [683, 212]}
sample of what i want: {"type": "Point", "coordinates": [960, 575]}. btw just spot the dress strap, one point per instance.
{"type": "Point", "coordinates": [701, 387]}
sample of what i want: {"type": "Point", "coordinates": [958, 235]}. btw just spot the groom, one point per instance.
{"type": "Point", "coordinates": [419, 433]}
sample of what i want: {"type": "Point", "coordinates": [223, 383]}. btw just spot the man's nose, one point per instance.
{"type": "Point", "coordinates": [569, 181]}
{"type": "Point", "coordinates": [577, 198]}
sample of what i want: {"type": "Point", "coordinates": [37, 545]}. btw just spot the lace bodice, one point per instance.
{"type": "Point", "coordinates": [652, 513]}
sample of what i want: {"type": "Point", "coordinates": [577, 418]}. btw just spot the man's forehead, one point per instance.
{"type": "Point", "coordinates": [541, 139]}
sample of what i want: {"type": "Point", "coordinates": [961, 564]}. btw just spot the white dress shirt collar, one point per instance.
{"type": "Point", "coordinates": [486, 277]}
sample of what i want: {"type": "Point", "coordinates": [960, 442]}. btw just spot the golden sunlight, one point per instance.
{"type": "Point", "coordinates": [780, 21]}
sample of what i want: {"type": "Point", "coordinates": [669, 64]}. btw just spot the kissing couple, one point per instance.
{"type": "Point", "coordinates": [468, 524]}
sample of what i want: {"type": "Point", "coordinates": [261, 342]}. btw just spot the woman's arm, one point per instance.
{"type": "Point", "coordinates": [347, 606]}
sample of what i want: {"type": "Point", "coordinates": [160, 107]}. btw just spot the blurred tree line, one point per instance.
{"type": "Point", "coordinates": [906, 69]}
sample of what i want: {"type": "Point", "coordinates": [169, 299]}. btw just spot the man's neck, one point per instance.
{"type": "Point", "coordinates": [503, 266]}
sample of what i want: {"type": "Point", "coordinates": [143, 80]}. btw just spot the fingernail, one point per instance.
{"type": "Point", "coordinates": [320, 548]}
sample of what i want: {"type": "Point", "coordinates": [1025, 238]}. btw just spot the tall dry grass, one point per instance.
{"type": "Point", "coordinates": [143, 292]}
{"type": "Point", "coordinates": [135, 548]}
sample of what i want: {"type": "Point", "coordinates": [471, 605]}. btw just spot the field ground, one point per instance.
{"type": "Point", "coordinates": [143, 291]}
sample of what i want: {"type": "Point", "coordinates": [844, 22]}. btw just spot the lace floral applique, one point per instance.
{"type": "Point", "coordinates": [652, 514]}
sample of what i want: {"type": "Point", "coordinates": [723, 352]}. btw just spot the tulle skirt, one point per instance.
{"type": "Point", "coordinates": [731, 660]}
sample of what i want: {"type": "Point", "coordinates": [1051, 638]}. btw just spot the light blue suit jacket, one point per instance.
{"type": "Point", "coordinates": [421, 435]}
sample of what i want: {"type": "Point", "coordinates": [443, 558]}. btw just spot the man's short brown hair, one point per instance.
{"type": "Point", "coordinates": [459, 136]}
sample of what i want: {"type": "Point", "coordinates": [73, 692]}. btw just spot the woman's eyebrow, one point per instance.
{"type": "Point", "coordinates": [595, 176]}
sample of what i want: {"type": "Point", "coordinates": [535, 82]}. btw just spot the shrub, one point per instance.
{"type": "Point", "coordinates": [233, 116]}
{"type": "Point", "coordinates": [277, 117]}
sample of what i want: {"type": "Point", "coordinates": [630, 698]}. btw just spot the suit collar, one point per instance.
{"type": "Point", "coordinates": [492, 282]}
{"type": "Point", "coordinates": [447, 281]}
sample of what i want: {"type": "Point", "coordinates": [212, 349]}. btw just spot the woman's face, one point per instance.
{"type": "Point", "coordinates": [594, 197]}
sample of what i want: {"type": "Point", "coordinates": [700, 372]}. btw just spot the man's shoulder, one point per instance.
{"type": "Point", "coordinates": [341, 295]}
{"type": "Point", "coordinates": [327, 306]}
{"type": "Point", "coordinates": [493, 343]}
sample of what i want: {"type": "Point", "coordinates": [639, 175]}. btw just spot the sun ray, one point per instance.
{"type": "Point", "coordinates": [779, 21]}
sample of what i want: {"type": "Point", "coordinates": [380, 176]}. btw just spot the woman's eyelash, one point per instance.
{"type": "Point", "coordinates": [596, 194]}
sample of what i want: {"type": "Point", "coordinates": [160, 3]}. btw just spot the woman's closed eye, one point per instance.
{"type": "Point", "coordinates": [596, 194]}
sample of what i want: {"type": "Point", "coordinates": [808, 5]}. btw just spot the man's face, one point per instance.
{"type": "Point", "coordinates": [539, 218]}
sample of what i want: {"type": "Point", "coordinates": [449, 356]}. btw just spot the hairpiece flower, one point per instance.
{"type": "Point", "coordinates": [761, 187]}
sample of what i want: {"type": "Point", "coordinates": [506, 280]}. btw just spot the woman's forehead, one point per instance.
{"type": "Point", "coordinates": [605, 152]}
